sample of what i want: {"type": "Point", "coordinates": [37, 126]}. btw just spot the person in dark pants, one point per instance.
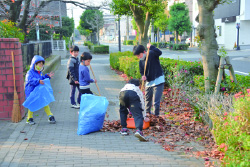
{"type": "Point", "coordinates": [131, 98]}
{"type": "Point", "coordinates": [73, 76]}
{"type": "Point", "coordinates": [154, 76]}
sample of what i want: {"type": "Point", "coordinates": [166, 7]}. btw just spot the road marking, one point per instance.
{"type": "Point", "coordinates": [239, 72]}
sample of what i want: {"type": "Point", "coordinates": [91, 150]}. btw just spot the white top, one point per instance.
{"type": "Point", "coordinates": [138, 92]}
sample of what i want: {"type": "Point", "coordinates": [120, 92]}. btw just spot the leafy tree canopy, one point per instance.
{"type": "Point", "coordinates": [67, 27]}
{"type": "Point", "coordinates": [179, 20]}
{"type": "Point", "coordinates": [162, 22]}
{"type": "Point", "coordinates": [89, 20]}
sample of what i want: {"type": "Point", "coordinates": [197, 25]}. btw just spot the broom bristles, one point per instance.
{"type": "Point", "coordinates": [16, 112]}
{"type": "Point", "coordinates": [16, 115]}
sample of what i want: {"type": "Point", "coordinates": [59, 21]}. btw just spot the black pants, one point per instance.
{"type": "Point", "coordinates": [85, 91]}
{"type": "Point", "coordinates": [129, 99]}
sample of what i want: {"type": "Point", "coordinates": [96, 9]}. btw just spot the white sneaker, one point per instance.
{"type": "Point", "coordinates": [75, 106]}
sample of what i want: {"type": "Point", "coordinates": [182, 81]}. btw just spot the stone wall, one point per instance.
{"type": "Point", "coordinates": [7, 45]}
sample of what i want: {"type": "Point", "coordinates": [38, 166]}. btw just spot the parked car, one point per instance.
{"type": "Point", "coordinates": [188, 40]}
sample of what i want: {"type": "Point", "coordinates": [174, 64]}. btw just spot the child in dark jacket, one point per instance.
{"type": "Point", "coordinates": [131, 98]}
{"type": "Point", "coordinates": [73, 76]}
{"type": "Point", "coordinates": [154, 76]}
{"type": "Point", "coordinates": [84, 76]}
{"type": "Point", "coordinates": [34, 77]}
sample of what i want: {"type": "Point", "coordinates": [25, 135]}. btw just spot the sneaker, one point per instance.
{"type": "Point", "coordinates": [52, 120]}
{"type": "Point", "coordinates": [31, 121]}
{"type": "Point", "coordinates": [75, 106]}
{"type": "Point", "coordinates": [140, 136]}
{"type": "Point", "coordinates": [124, 131]}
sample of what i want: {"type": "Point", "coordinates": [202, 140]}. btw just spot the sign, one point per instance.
{"type": "Point", "coordinates": [228, 19]}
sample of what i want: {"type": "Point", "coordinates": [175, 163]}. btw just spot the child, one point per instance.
{"type": "Point", "coordinates": [131, 97]}
{"type": "Point", "coordinates": [34, 77]}
{"type": "Point", "coordinates": [84, 77]}
{"type": "Point", "coordinates": [154, 76]}
{"type": "Point", "coordinates": [73, 76]}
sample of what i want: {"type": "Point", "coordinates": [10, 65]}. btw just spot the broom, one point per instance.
{"type": "Point", "coordinates": [16, 114]}
{"type": "Point", "coordinates": [145, 67]}
{"type": "Point", "coordinates": [95, 79]}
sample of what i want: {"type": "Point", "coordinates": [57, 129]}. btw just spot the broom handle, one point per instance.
{"type": "Point", "coordinates": [95, 79]}
{"type": "Point", "coordinates": [13, 66]}
{"type": "Point", "coordinates": [145, 67]}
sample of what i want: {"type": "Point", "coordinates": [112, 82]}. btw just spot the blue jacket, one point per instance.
{"type": "Point", "coordinates": [33, 77]}
{"type": "Point", "coordinates": [84, 77]}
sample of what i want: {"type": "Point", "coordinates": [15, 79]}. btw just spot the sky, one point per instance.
{"type": "Point", "coordinates": [77, 11]}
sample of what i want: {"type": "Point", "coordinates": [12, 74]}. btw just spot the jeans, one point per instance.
{"type": "Point", "coordinates": [153, 95]}
{"type": "Point", "coordinates": [129, 99]}
{"type": "Point", "coordinates": [72, 94]}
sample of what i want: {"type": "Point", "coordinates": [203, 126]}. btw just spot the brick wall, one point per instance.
{"type": "Point", "coordinates": [7, 45]}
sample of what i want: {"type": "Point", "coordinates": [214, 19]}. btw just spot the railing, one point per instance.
{"type": "Point", "coordinates": [58, 45]}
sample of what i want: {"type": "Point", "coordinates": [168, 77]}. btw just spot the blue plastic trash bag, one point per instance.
{"type": "Point", "coordinates": [92, 113]}
{"type": "Point", "coordinates": [40, 97]}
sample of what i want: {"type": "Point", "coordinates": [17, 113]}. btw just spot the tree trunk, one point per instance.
{"type": "Point", "coordinates": [176, 37]}
{"type": "Point", "coordinates": [164, 36]}
{"type": "Point", "coordinates": [209, 46]}
{"type": "Point", "coordinates": [142, 24]}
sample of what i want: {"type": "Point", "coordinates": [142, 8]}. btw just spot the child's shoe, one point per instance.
{"type": "Point", "coordinates": [75, 106]}
{"type": "Point", "coordinates": [30, 121]}
{"type": "Point", "coordinates": [140, 136]}
{"type": "Point", "coordinates": [124, 131]}
{"type": "Point", "coordinates": [52, 120]}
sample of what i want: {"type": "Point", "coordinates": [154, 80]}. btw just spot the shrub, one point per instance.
{"type": "Point", "coordinates": [130, 66]}
{"type": "Point", "coordinates": [129, 42]}
{"type": "Point", "coordinates": [9, 30]}
{"type": "Point", "coordinates": [180, 46]}
{"type": "Point", "coordinates": [99, 48]}
{"type": "Point", "coordinates": [227, 86]}
{"type": "Point", "coordinates": [231, 132]}
{"type": "Point", "coordinates": [173, 68]}
{"type": "Point", "coordinates": [114, 58]}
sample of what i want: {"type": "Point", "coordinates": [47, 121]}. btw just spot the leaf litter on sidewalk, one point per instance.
{"type": "Point", "coordinates": [176, 129]}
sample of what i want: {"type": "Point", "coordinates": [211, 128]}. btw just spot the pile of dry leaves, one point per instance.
{"type": "Point", "coordinates": [176, 124]}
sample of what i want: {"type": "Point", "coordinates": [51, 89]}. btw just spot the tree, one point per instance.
{"type": "Point", "coordinates": [11, 10]}
{"type": "Point", "coordinates": [91, 22]}
{"type": "Point", "coordinates": [45, 33]}
{"type": "Point", "coordinates": [179, 20]}
{"type": "Point", "coordinates": [209, 46]}
{"type": "Point", "coordinates": [67, 27]}
{"type": "Point", "coordinates": [162, 23]}
{"type": "Point", "coordinates": [142, 11]}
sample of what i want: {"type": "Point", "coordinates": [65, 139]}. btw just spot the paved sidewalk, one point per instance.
{"type": "Point", "coordinates": [59, 144]}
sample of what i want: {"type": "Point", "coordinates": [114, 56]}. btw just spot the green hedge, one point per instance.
{"type": "Point", "coordinates": [129, 64]}
{"type": "Point", "coordinates": [178, 46]}
{"type": "Point", "coordinates": [129, 42]}
{"type": "Point", "coordinates": [99, 48]}
{"type": "Point", "coordinates": [227, 86]}
{"type": "Point", "coordinates": [160, 44]}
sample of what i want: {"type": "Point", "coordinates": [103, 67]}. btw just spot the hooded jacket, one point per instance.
{"type": "Point", "coordinates": [33, 77]}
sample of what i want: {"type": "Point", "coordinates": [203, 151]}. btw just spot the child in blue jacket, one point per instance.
{"type": "Point", "coordinates": [84, 76]}
{"type": "Point", "coordinates": [34, 77]}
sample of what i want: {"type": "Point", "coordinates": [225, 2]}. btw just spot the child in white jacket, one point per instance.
{"type": "Point", "coordinates": [131, 98]}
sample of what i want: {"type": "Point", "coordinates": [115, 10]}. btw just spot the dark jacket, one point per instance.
{"type": "Point", "coordinates": [153, 69]}
{"type": "Point", "coordinates": [73, 70]}
{"type": "Point", "coordinates": [33, 77]}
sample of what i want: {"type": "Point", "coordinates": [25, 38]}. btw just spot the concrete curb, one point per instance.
{"type": "Point", "coordinates": [52, 65]}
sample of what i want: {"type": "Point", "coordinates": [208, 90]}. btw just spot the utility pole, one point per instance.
{"type": "Point", "coordinates": [152, 32]}
{"type": "Point", "coordinates": [60, 15]}
{"type": "Point", "coordinates": [73, 35]}
{"type": "Point", "coordinates": [119, 33]}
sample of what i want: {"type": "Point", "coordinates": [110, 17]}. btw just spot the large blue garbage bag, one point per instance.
{"type": "Point", "coordinates": [92, 113]}
{"type": "Point", "coordinates": [40, 97]}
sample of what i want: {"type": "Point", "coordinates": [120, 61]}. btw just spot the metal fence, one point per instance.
{"type": "Point", "coordinates": [59, 45]}
{"type": "Point", "coordinates": [42, 48]}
